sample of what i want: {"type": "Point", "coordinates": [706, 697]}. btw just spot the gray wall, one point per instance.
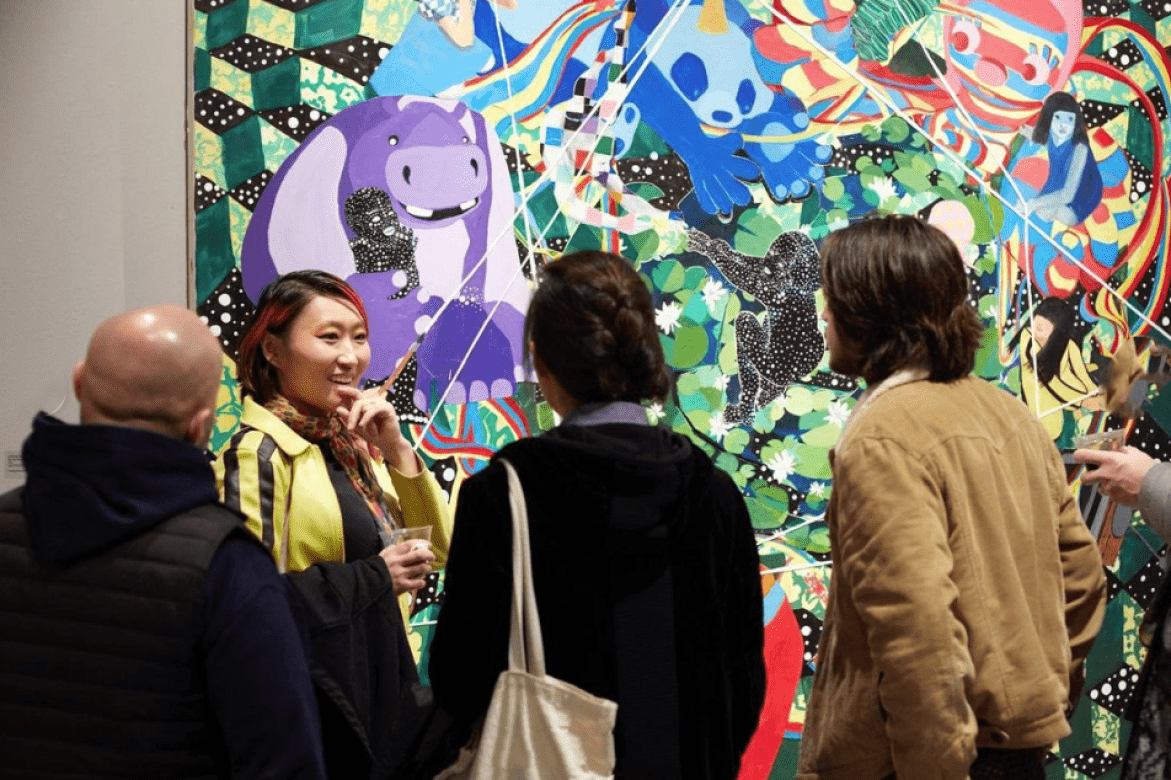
{"type": "Point", "coordinates": [93, 185]}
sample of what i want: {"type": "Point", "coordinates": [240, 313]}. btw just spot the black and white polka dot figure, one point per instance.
{"type": "Point", "coordinates": [833, 381]}
{"type": "Point", "coordinates": [207, 6]}
{"type": "Point", "coordinates": [297, 122]}
{"type": "Point", "coordinates": [1142, 585]}
{"type": "Point", "coordinates": [431, 593]}
{"type": "Point", "coordinates": [248, 192]}
{"type": "Point", "coordinates": [810, 628]}
{"type": "Point", "coordinates": [1115, 692]}
{"type": "Point", "coordinates": [226, 311]}
{"type": "Point", "coordinates": [219, 112]}
{"type": "Point", "coordinates": [355, 58]}
{"type": "Point", "coordinates": [788, 344]}
{"type": "Point", "coordinates": [383, 243]}
{"type": "Point", "coordinates": [207, 192]}
{"type": "Point", "coordinates": [1093, 763]}
{"type": "Point", "coordinates": [251, 54]}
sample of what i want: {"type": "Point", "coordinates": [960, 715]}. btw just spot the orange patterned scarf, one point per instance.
{"type": "Point", "coordinates": [345, 447]}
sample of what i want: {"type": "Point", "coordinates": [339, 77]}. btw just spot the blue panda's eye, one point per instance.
{"type": "Point", "coordinates": [746, 96]}
{"type": "Point", "coordinates": [689, 75]}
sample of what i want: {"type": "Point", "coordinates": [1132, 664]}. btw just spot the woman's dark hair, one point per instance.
{"type": "Point", "coordinates": [897, 289]}
{"type": "Point", "coordinates": [1061, 101]}
{"type": "Point", "coordinates": [1049, 357]}
{"type": "Point", "coordinates": [591, 323]}
{"type": "Point", "coordinates": [279, 304]}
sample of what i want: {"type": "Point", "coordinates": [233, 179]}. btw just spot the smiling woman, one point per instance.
{"type": "Point", "coordinates": [326, 349]}
{"type": "Point", "coordinates": [322, 474]}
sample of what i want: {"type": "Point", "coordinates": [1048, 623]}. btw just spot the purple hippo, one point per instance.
{"type": "Point", "coordinates": [443, 170]}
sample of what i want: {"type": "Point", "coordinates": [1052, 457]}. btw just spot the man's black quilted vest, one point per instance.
{"type": "Point", "coordinates": [100, 668]}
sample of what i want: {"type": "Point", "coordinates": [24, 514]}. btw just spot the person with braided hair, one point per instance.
{"type": "Point", "coordinates": [644, 560]}
{"type": "Point", "coordinates": [967, 591]}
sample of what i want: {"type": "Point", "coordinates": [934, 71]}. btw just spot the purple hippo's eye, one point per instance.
{"type": "Point", "coordinates": [465, 139]}
{"type": "Point", "coordinates": [393, 140]}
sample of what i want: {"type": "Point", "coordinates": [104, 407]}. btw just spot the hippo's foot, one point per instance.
{"type": "Point", "coordinates": [463, 360]}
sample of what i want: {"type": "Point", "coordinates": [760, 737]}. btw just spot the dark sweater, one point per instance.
{"type": "Point", "coordinates": [153, 629]}
{"type": "Point", "coordinates": [647, 584]}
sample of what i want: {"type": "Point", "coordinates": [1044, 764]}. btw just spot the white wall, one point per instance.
{"type": "Point", "coordinates": [93, 185]}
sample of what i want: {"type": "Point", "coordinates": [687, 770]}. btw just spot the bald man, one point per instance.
{"type": "Point", "coordinates": [144, 633]}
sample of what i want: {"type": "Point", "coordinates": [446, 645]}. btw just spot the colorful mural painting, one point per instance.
{"type": "Point", "coordinates": [436, 153]}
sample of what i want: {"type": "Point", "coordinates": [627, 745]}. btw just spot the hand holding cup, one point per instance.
{"type": "Point", "coordinates": [408, 557]}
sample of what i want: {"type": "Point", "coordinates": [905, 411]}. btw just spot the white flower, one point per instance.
{"type": "Point", "coordinates": [713, 293]}
{"type": "Point", "coordinates": [721, 382]}
{"type": "Point", "coordinates": [838, 412]}
{"type": "Point", "coordinates": [655, 412]}
{"type": "Point", "coordinates": [782, 465]}
{"type": "Point", "coordinates": [718, 427]}
{"type": "Point", "coordinates": [817, 490]}
{"type": "Point", "coordinates": [667, 317]}
{"type": "Point", "coordinates": [884, 188]}
{"type": "Point", "coordinates": [990, 312]}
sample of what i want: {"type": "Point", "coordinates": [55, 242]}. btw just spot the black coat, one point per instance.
{"type": "Point", "coordinates": [648, 588]}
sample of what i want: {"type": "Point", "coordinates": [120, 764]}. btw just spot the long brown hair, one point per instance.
{"type": "Point", "coordinates": [896, 288]}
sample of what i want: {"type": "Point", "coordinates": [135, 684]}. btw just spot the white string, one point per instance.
{"type": "Point", "coordinates": [1069, 404]}
{"type": "Point", "coordinates": [781, 533]}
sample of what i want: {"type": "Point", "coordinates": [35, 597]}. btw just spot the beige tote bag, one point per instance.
{"type": "Point", "coordinates": [536, 726]}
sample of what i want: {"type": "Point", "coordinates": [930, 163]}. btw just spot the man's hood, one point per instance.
{"type": "Point", "coordinates": [89, 487]}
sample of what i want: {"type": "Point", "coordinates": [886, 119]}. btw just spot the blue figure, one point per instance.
{"type": "Point", "coordinates": [1074, 186]}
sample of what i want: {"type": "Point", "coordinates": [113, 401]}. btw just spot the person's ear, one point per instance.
{"type": "Point", "coordinates": [199, 427]}
{"type": "Point", "coordinates": [271, 346]}
{"type": "Point", "coordinates": [77, 371]}
{"type": "Point", "coordinates": [538, 364]}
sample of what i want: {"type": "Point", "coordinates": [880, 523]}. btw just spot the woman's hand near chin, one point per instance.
{"type": "Point", "coordinates": [408, 563]}
{"type": "Point", "coordinates": [372, 417]}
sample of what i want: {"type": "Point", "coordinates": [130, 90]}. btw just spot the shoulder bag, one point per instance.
{"type": "Point", "coordinates": [536, 726]}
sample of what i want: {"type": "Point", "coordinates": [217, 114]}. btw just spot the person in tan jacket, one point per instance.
{"type": "Point", "coordinates": [967, 590]}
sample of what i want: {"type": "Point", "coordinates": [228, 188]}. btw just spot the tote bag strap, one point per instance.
{"type": "Point", "coordinates": [525, 634]}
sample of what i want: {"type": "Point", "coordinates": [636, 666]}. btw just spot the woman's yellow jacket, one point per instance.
{"type": "Point", "coordinates": [273, 476]}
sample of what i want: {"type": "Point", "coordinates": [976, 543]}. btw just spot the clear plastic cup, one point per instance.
{"type": "Point", "coordinates": [420, 535]}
